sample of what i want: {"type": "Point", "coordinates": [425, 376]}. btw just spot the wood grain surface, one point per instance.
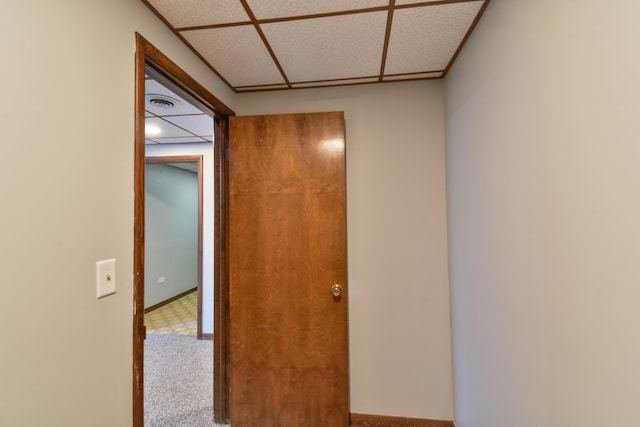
{"type": "Point", "coordinates": [287, 247]}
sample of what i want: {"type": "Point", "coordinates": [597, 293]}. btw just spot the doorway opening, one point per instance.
{"type": "Point", "coordinates": [174, 244]}
{"type": "Point", "coordinates": [152, 64]}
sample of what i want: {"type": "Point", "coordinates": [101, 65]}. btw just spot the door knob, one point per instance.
{"type": "Point", "coordinates": [336, 290]}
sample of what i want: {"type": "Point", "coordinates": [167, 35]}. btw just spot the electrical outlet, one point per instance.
{"type": "Point", "coordinates": [105, 278]}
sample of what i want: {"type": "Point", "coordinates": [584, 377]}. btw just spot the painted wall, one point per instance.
{"type": "Point", "coordinates": [67, 202]}
{"type": "Point", "coordinates": [399, 298]}
{"type": "Point", "coordinates": [544, 200]}
{"type": "Point", "coordinates": [206, 151]}
{"type": "Point", "coordinates": [171, 232]}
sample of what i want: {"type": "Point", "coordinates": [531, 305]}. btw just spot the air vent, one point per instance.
{"type": "Point", "coordinates": [161, 101]}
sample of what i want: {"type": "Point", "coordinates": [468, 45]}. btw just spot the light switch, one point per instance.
{"type": "Point", "coordinates": [106, 277]}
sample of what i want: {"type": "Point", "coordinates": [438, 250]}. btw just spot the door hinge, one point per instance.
{"type": "Point", "coordinates": [226, 155]}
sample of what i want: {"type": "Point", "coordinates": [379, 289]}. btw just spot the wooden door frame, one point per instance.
{"type": "Point", "coordinates": [148, 55]}
{"type": "Point", "coordinates": [199, 160]}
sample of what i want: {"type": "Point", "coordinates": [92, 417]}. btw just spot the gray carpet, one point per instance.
{"type": "Point", "coordinates": [178, 381]}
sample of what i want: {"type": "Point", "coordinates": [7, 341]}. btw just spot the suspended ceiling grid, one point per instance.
{"type": "Point", "coordinates": [285, 44]}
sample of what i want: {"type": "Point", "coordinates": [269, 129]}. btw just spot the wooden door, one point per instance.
{"type": "Point", "coordinates": [287, 248]}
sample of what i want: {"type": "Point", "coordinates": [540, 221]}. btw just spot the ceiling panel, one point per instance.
{"type": "Point", "coordinates": [190, 13]}
{"type": "Point", "coordinates": [201, 125]}
{"type": "Point", "coordinates": [426, 38]}
{"type": "Point", "coordinates": [267, 9]}
{"type": "Point", "coordinates": [238, 54]}
{"type": "Point", "coordinates": [165, 128]}
{"type": "Point", "coordinates": [338, 47]}
{"type": "Point", "coordinates": [154, 90]}
{"type": "Point", "coordinates": [283, 44]}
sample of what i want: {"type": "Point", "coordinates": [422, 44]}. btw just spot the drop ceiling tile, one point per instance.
{"type": "Point", "coordinates": [200, 124]}
{"type": "Point", "coordinates": [166, 128]}
{"type": "Point", "coordinates": [191, 13]}
{"type": "Point", "coordinates": [237, 53]}
{"type": "Point", "coordinates": [267, 9]}
{"type": "Point", "coordinates": [181, 106]}
{"type": "Point", "coordinates": [425, 38]}
{"type": "Point", "coordinates": [329, 48]}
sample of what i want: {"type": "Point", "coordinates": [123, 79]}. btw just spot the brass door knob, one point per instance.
{"type": "Point", "coordinates": [336, 290]}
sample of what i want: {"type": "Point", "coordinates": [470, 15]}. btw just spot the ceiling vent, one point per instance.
{"type": "Point", "coordinates": [162, 101]}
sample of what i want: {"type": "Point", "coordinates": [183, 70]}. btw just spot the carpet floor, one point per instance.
{"type": "Point", "coordinates": [178, 381]}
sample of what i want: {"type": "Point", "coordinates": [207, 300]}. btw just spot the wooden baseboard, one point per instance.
{"type": "Point", "coordinates": [207, 337]}
{"type": "Point", "coordinates": [364, 420]}
{"type": "Point", "coordinates": [170, 300]}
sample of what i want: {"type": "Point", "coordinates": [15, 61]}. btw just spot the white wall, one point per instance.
{"type": "Point", "coordinates": [544, 206]}
{"type": "Point", "coordinates": [170, 232]}
{"type": "Point", "coordinates": [208, 179]}
{"type": "Point", "coordinates": [67, 202]}
{"type": "Point", "coordinates": [397, 252]}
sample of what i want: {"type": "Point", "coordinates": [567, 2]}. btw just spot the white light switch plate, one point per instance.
{"type": "Point", "coordinates": [105, 277]}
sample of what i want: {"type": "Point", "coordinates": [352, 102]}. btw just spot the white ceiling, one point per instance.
{"type": "Point", "coordinates": [282, 44]}
{"type": "Point", "coordinates": [180, 123]}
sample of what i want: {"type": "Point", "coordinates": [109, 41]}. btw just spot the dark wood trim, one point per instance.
{"type": "Point", "coordinates": [221, 284]}
{"type": "Point", "coordinates": [199, 160]}
{"type": "Point", "coordinates": [311, 81]}
{"type": "Point", "coordinates": [466, 37]}
{"type": "Point", "coordinates": [266, 43]}
{"type": "Point", "coordinates": [413, 79]}
{"type": "Point", "coordinates": [289, 18]}
{"type": "Point", "coordinates": [173, 72]}
{"type": "Point", "coordinates": [434, 3]}
{"type": "Point", "coordinates": [138, 239]}
{"type": "Point", "coordinates": [311, 16]}
{"type": "Point", "coordinates": [390, 8]}
{"type": "Point", "coordinates": [365, 420]}
{"type": "Point", "coordinates": [387, 35]}
{"type": "Point", "coordinates": [206, 337]}
{"type": "Point", "coordinates": [186, 43]}
{"type": "Point", "coordinates": [147, 54]}
{"type": "Point", "coordinates": [169, 301]}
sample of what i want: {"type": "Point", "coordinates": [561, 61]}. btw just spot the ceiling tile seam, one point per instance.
{"type": "Point", "coordinates": [363, 83]}
{"type": "Point", "coordinates": [249, 87]}
{"type": "Point", "coordinates": [320, 15]}
{"type": "Point", "coordinates": [186, 43]}
{"type": "Point", "coordinates": [179, 127]}
{"type": "Point", "coordinates": [174, 115]}
{"type": "Point", "coordinates": [434, 3]}
{"type": "Point", "coordinates": [332, 80]}
{"type": "Point", "coordinates": [414, 79]}
{"type": "Point", "coordinates": [413, 73]}
{"type": "Point", "coordinates": [295, 87]}
{"type": "Point", "coordinates": [288, 18]}
{"type": "Point", "coordinates": [466, 36]}
{"type": "Point", "coordinates": [252, 17]}
{"type": "Point", "coordinates": [387, 35]}
{"type": "Point", "coordinates": [214, 26]}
